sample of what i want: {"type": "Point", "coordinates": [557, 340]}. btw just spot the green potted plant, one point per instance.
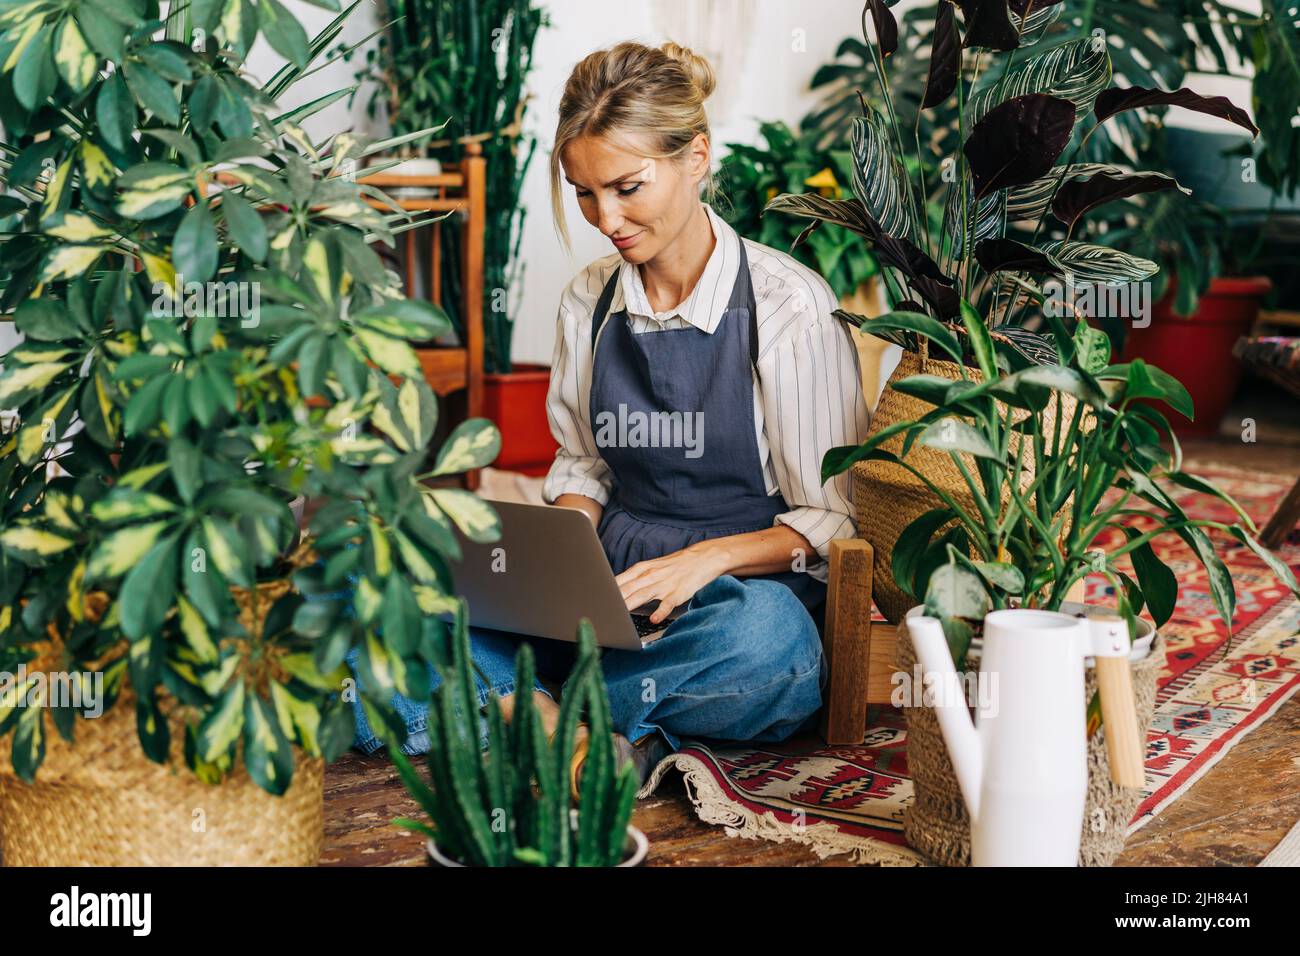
{"type": "Point", "coordinates": [1011, 452]}
{"type": "Point", "coordinates": [1043, 481]}
{"type": "Point", "coordinates": [1213, 252]}
{"type": "Point", "coordinates": [751, 176]}
{"type": "Point", "coordinates": [469, 63]}
{"type": "Point", "coordinates": [509, 804]}
{"type": "Point", "coordinates": [1022, 101]}
{"type": "Point", "coordinates": [207, 335]}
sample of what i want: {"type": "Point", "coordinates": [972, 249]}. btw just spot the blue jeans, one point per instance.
{"type": "Point", "coordinates": [744, 662]}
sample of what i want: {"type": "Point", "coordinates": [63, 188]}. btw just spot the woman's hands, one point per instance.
{"type": "Point", "coordinates": [672, 579]}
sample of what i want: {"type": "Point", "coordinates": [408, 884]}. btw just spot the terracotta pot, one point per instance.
{"type": "Point", "coordinates": [1197, 349]}
{"type": "Point", "coordinates": [516, 402]}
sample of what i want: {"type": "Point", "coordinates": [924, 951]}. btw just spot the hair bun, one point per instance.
{"type": "Point", "coordinates": [698, 68]}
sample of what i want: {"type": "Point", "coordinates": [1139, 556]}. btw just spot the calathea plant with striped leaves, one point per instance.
{"type": "Point", "coordinates": [1026, 94]}
{"type": "Point", "coordinates": [1054, 444]}
{"type": "Point", "coordinates": [206, 335]}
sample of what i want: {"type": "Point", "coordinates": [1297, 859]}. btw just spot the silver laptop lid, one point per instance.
{"type": "Point", "coordinates": [546, 572]}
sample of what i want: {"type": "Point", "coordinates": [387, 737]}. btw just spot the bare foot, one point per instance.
{"type": "Point", "coordinates": [548, 711]}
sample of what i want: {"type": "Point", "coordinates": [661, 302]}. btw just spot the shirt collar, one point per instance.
{"type": "Point", "coordinates": [705, 305]}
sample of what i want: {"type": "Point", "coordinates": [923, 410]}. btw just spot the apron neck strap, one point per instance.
{"type": "Point", "coordinates": [739, 299]}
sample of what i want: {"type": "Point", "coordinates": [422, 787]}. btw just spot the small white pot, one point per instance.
{"type": "Point", "coordinates": [634, 852]}
{"type": "Point", "coordinates": [417, 166]}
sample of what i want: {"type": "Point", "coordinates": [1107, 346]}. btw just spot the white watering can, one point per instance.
{"type": "Point", "coordinates": [1023, 768]}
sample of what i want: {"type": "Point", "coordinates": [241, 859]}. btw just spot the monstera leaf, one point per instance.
{"type": "Point", "coordinates": [1076, 71]}
{"type": "Point", "coordinates": [1018, 141]}
{"type": "Point", "coordinates": [879, 181]}
{"type": "Point", "coordinates": [1079, 196]}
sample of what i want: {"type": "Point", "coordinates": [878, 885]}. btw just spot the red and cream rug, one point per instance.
{"type": "Point", "coordinates": [850, 799]}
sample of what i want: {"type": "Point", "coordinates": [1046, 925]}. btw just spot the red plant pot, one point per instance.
{"type": "Point", "coordinates": [1197, 349]}
{"type": "Point", "coordinates": [516, 402]}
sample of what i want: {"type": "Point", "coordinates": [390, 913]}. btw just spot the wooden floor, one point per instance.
{"type": "Point", "coordinates": [1234, 815]}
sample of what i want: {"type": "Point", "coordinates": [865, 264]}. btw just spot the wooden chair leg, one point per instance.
{"type": "Point", "coordinates": [846, 641]}
{"type": "Point", "coordinates": [1284, 519]}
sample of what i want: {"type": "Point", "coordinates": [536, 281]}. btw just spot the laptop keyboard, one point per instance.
{"type": "Point", "coordinates": [644, 626]}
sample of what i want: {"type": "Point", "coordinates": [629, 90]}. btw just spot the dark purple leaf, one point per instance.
{"type": "Point", "coordinates": [908, 259]}
{"type": "Point", "coordinates": [945, 58]}
{"type": "Point", "coordinates": [1007, 255]}
{"type": "Point", "coordinates": [941, 296]}
{"type": "Point", "coordinates": [886, 26]}
{"type": "Point", "coordinates": [1079, 196]}
{"type": "Point", "coordinates": [988, 24]}
{"type": "Point", "coordinates": [1117, 100]}
{"type": "Point", "coordinates": [1018, 141]}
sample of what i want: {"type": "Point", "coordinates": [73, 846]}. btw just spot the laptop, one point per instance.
{"type": "Point", "coordinates": [547, 572]}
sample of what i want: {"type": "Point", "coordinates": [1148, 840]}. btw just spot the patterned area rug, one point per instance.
{"type": "Point", "coordinates": [851, 799]}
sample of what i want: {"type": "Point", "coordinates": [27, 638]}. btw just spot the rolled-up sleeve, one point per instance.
{"type": "Point", "coordinates": [812, 402]}
{"type": "Point", "coordinates": [577, 468]}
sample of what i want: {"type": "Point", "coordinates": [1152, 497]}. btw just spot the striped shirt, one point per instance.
{"type": "Point", "coordinates": [807, 400]}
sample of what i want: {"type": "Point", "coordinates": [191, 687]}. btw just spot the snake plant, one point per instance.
{"type": "Point", "coordinates": [466, 63]}
{"type": "Point", "coordinates": [508, 804]}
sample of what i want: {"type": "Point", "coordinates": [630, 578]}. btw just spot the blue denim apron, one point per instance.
{"type": "Point", "coordinates": [662, 499]}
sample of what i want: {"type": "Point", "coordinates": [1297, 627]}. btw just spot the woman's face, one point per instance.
{"type": "Point", "coordinates": [640, 204]}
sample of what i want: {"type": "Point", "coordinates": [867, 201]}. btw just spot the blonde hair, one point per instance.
{"type": "Point", "coordinates": [634, 89]}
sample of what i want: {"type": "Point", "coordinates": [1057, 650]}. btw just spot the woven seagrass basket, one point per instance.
{"type": "Point", "coordinates": [101, 802]}
{"type": "Point", "coordinates": [937, 823]}
{"type": "Point", "coordinates": [887, 498]}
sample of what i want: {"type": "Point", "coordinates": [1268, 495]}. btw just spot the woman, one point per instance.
{"type": "Point", "coordinates": [685, 317]}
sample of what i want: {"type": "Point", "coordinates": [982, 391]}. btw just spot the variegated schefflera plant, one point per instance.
{"type": "Point", "coordinates": [207, 334]}
{"type": "Point", "coordinates": [1024, 104]}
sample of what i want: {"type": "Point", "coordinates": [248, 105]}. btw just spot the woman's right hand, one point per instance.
{"type": "Point", "coordinates": [589, 506]}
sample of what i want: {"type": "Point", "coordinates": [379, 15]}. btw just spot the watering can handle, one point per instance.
{"type": "Point", "coordinates": [1118, 709]}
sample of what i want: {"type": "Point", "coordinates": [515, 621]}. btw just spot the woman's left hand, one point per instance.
{"type": "Point", "coordinates": [672, 579]}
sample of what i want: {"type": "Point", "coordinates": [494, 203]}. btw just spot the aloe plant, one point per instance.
{"type": "Point", "coordinates": [1012, 207]}
{"type": "Point", "coordinates": [508, 804]}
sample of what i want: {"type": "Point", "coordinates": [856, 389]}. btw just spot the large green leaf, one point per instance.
{"type": "Point", "coordinates": [195, 249]}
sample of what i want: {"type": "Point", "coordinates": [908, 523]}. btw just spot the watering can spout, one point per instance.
{"type": "Point", "coordinates": [949, 701]}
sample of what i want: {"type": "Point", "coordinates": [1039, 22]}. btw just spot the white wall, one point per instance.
{"type": "Point", "coordinates": [767, 51]}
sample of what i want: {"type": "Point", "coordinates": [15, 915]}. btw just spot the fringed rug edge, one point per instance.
{"type": "Point", "coordinates": [713, 806]}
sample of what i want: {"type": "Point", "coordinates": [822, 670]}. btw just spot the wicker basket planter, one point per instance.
{"type": "Point", "coordinates": [937, 823]}
{"type": "Point", "coordinates": [102, 802]}
{"type": "Point", "coordinates": [99, 801]}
